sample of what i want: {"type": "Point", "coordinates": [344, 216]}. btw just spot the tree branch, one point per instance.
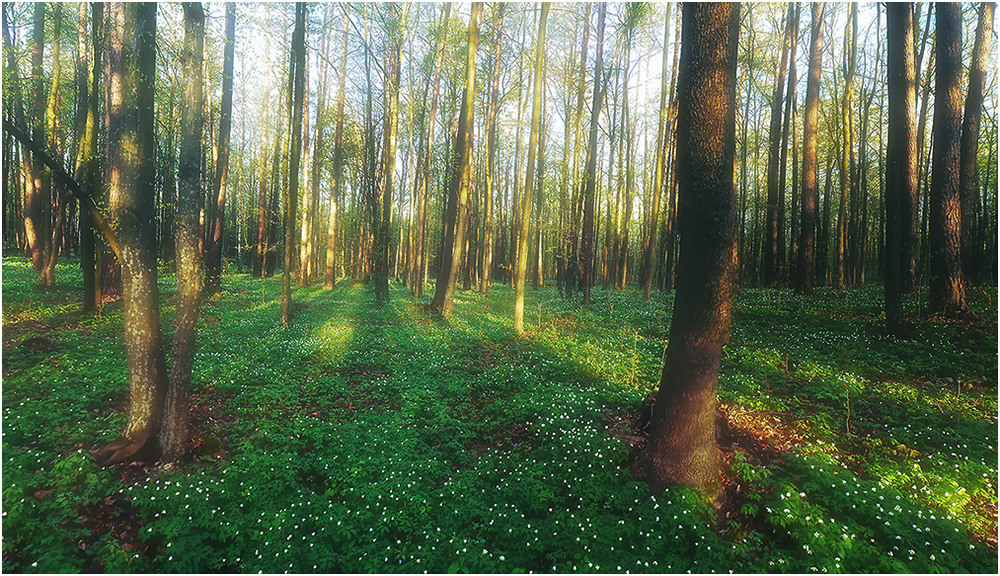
{"type": "Point", "coordinates": [72, 185]}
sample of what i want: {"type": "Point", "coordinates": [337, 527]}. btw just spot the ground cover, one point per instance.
{"type": "Point", "coordinates": [384, 440]}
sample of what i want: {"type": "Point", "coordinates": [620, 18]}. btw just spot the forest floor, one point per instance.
{"type": "Point", "coordinates": [366, 439]}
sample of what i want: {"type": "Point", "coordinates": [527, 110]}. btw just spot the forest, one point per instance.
{"type": "Point", "coordinates": [499, 287]}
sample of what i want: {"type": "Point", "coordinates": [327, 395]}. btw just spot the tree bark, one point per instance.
{"type": "Point", "coordinates": [774, 155]}
{"type": "Point", "coordinates": [968, 181]}
{"type": "Point", "coordinates": [947, 283]}
{"type": "Point", "coordinates": [173, 436]}
{"type": "Point", "coordinates": [461, 181]}
{"type": "Point", "coordinates": [682, 445]}
{"type": "Point", "coordinates": [809, 149]}
{"type": "Point", "coordinates": [901, 153]}
{"type": "Point", "coordinates": [338, 168]}
{"type": "Point", "coordinates": [588, 183]}
{"type": "Point", "coordinates": [295, 156]}
{"type": "Point", "coordinates": [520, 271]}
{"type": "Point", "coordinates": [213, 251]}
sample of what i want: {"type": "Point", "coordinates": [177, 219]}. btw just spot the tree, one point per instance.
{"type": "Point", "coordinates": [649, 248]}
{"type": "Point", "coordinates": [520, 271]}
{"type": "Point", "coordinates": [338, 167]}
{"type": "Point", "coordinates": [36, 201]}
{"type": "Point", "coordinates": [297, 75]}
{"type": "Point", "coordinates": [682, 447]}
{"type": "Point", "coordinates": [809, 193]}
{"type": "Point", "coordinates": [189, 200]}
{"type": "Point", "coordinates": [390, 137]}
{"type": "Point", "coordinates": [847, 144]}
{"type": "Point", "coordinates": [486, 254]}
{"type": "Point", "coordinates": [947, 283]}
{"type": "Point", "coordinates": [774, 156]}
{"type": "Point", "coordinates": [132, 37]}
{"type": "Point", "coordinates": [216, 208]}
{"type": "Point", "coordinates": [972, 251]}
{"type": "Point", "coordinates": [461, 181]}
{"type": "Point", "coordinates": [901, 153]}
{"type": "Point", "coordinates": [588, 183]}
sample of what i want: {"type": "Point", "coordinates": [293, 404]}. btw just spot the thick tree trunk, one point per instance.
{"type": "Point", "coordinates": [461, 181]}
{"type": "Point", "coordinates": [947, 283]}
{"type": "Point", "coordinates": [682, 445]}
{"type": "Point", "coordinates": [520, 271]}
{"type": "Point", "coordinates": [809, 149]}
{"type": "Point", "coordinates": [130, 152]}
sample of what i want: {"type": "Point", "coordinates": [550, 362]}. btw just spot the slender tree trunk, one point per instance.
{"type": "Point", "coordinates": [213, 251]}
{"type": "Point", "coordinates": [520, 271]}
{"type": "Point", "coordinates": [295, 156]}
{"type": "Point", "coordinates": [947, 283]}
{"type": "Point", "coordinates": [491, 142]}
{"type": "Point", "coordinates": [682, 445]}
{"type": "Point", "coordinates": [173, 438]}
{"type": "Point", "coordinates": [390, 127]}
{"type": "Point", "coordinates": [781, 263]}
{"type": "Point", "coordinates": [968, 181]}
{"type": "Point", "coordinates": [589, 181]}
{"type": "Point", "coordinates": [338, 166]}
{"type": "Point", "coordinates": [461, 181]}
{"type": "Point", "coordinates": [847, 146]}
{"type": "Point", "coordinates": [774, 154]}
{"type": "Point", "coordinates": [423, 170]}
{"type": "Point", "coordinates": [809, 149]}
{"type": "Point", "coordinates": [36, 202]}
{"type": "Point", "coordinates": [649, 247]}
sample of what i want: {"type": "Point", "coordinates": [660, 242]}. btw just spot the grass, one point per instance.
{"type": "Point", "coordinates": [384, 440]}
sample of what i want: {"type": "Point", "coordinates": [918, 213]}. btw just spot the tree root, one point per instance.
{"type": "Point", "coordinates": [125, 450]}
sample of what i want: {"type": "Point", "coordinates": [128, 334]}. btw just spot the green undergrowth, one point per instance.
{"type": "Point", "coordinates": [368, 439]}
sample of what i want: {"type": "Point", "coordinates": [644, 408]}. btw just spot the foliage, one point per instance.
{"type": "Point", "coordinates": [366, 439]}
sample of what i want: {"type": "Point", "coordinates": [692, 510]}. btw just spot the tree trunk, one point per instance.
{"type": "Point", "coordinates": [461, 181]}
{"type": "Point", "coordinates": [809, 148]}
{"type": "Point", "coordinates": [649, 247]}
{"type": "Point", "coordinates": [213, 250]}
{"type": "Point", "coordinates": [390, 127]}
{"type": "Point", "coordinates": [901, 155]}
{"type": "Point", "coordinates": [173, 437]}
{"type": "Point", "coordinates": [589, 182]}
{"type": "Point", "coordinates": [774, 154]}
{"type": "Point", "coordinates": [486, 265]}
{"type": "Point", "coordinates": [130, 153]}
{"type": "Point", "coordinates": [947, 283]}
{"type": "Point", "coordinates": [968, 181]}
{"type": "Point", "coordinates": [682, 445]}
{"type": "Point", "coordinates": [338, 167]}
{"type": "Point", "coordinates": [520, 271]}
{"type": "Point", "coordinates": [847, 145]}
{"type": "Point", "coordinates": [36, 202]}
{"type": "Point", "coordinates": [297, 73]}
